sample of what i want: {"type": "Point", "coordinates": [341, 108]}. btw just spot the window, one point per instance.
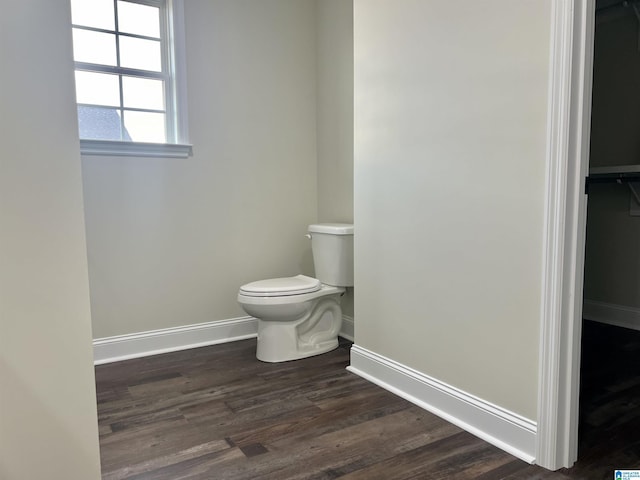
{"type": "Point", "coordinates": [128, 76]}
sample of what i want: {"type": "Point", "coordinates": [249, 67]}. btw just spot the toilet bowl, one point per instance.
{"type": "Point", "coordinates": [300, 316]}
{"type": "Point", "coordinates": [297, 316]}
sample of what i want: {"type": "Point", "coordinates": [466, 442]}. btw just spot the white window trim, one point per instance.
{"type": "Point", "coordinates": [134, 149]}
{"type": "Point", "coordinates": [178, 72]}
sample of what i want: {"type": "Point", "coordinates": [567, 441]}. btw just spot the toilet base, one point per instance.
{"type": "Point", "coordinates": [314, 334]}
{"type": "Point", "coordinates": [265, 353]}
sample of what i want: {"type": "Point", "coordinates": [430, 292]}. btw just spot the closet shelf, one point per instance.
{"type": "Point", "coordinates": [621, 174]}
{"type": "Point", "coordinates": [618, 174]}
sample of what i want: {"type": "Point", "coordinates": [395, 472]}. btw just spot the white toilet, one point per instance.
{"type": "Point", "coordinates": [300, 316]}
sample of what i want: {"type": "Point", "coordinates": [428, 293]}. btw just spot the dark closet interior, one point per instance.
{"type": "Point", "coordinates": [609, 429]}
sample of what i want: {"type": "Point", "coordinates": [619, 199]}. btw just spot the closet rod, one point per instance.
{"type": "Point", "coordinates": [614, 177]}
{"type": "Point", "coordinates": [630, 179]}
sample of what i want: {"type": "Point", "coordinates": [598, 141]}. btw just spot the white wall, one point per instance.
{"type": "Point", "coordinates": [48, 422]}
{"type": "Point", "coordinates": [334, 26]}
{"type": "Point", "coordinates": [450, 135]}
{"type": "Point", "coordinates": [170, 241]}
{"type": "Point", "coordinates": [335, 110]}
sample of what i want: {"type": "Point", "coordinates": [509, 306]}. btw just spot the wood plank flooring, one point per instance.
{"type": "Point", "coordinates": [609, 402]}
{"type": "Point", "coordinates": [218, 413]}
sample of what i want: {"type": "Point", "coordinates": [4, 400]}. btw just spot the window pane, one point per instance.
{"type": "Point", "coordinates": [141, 54]}
{"type": "Point", "coordinates": [139, 19]}
{"type": "Point", "coordinates": [145, 126]}
{"type": "Point", "coordinates": [93, 13]}
{"type": "Point", "coordinates": [143, 93]}
{"type": "Point", "coordinates": [97, 123]}
{"type": "Point", "coordinates": [97, 88]}
{"type": "Point", "coordinates": [94, 47]}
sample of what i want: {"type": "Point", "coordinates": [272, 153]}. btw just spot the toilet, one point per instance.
{"type": "Point", "coordinates": [300, 316]}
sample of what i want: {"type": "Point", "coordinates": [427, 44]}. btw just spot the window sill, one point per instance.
{"type": "Point", "coordinates": [134, 149]}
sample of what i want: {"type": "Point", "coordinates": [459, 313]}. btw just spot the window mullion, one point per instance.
{"type": "Point", "coordinates": [124, 34]}
{"type": "Point", "coordinates": [151, 3]}
{"type": "Point", "coordinates": [96, 67]}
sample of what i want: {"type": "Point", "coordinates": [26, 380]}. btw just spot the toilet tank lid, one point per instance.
{"type": "Point", "coordinates": [332, 228]}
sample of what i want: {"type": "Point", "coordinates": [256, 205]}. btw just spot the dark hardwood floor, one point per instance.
{"type": "Point", "coordinates": [218, 413]}
{"type": "Point", "coordinates": [609, 402]}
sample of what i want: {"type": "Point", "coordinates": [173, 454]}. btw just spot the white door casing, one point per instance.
{"type": "Point", "coordinates": [571, 57]}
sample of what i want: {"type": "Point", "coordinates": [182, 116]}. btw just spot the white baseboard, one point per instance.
{"type": "Point", "coordinates": [618, 315]}
{"type": "Point", "coordinates": [143, 344]}
{"type": "Point", "coordinates": [135, 345]}
{"type": "Point", "coordinates": [346, 331]}
{"type": "Point", "coordinates": [498, 426]}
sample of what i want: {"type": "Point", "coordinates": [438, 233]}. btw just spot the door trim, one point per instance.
{"type": "Point", "coordinates": [571, 62]}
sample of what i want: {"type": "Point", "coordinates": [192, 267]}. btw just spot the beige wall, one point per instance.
{"type": "Point", "coordinates": [170, 241]}
{"type": "Point", "coordinates": [335, 110]}
{"type": "Point", "coordinates": [334, 20]}
{"type": "Point", "coordinates": [48, 423]}
{"type": "Point", "coordinates": [612, 264]}
{"type": "Point", "coordinates": [450, 135]}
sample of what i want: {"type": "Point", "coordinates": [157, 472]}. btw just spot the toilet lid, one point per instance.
{"type": "Point", "coordinates": [276, 287]}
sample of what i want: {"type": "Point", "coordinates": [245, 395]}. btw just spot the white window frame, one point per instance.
{"type": "Point", "coordinates": [174, 75]}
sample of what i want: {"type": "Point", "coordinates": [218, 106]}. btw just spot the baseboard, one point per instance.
{"type": "Point", "coordinates": [124, 347]}
{"type": "Point", "coordinates": [498, 426]}
{"type": "Point", "coordinates": [346, 331]}
{"type": "Point", "coordinates": [143, 344]}
{"type": "Point", "coordinates": [618, 315]}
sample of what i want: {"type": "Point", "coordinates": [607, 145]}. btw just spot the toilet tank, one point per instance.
{"type": "Point", "coordinates": [332, 246]}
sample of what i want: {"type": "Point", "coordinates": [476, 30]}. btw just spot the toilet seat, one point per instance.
{"type": "Point", "coordinates": [278, 287]}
